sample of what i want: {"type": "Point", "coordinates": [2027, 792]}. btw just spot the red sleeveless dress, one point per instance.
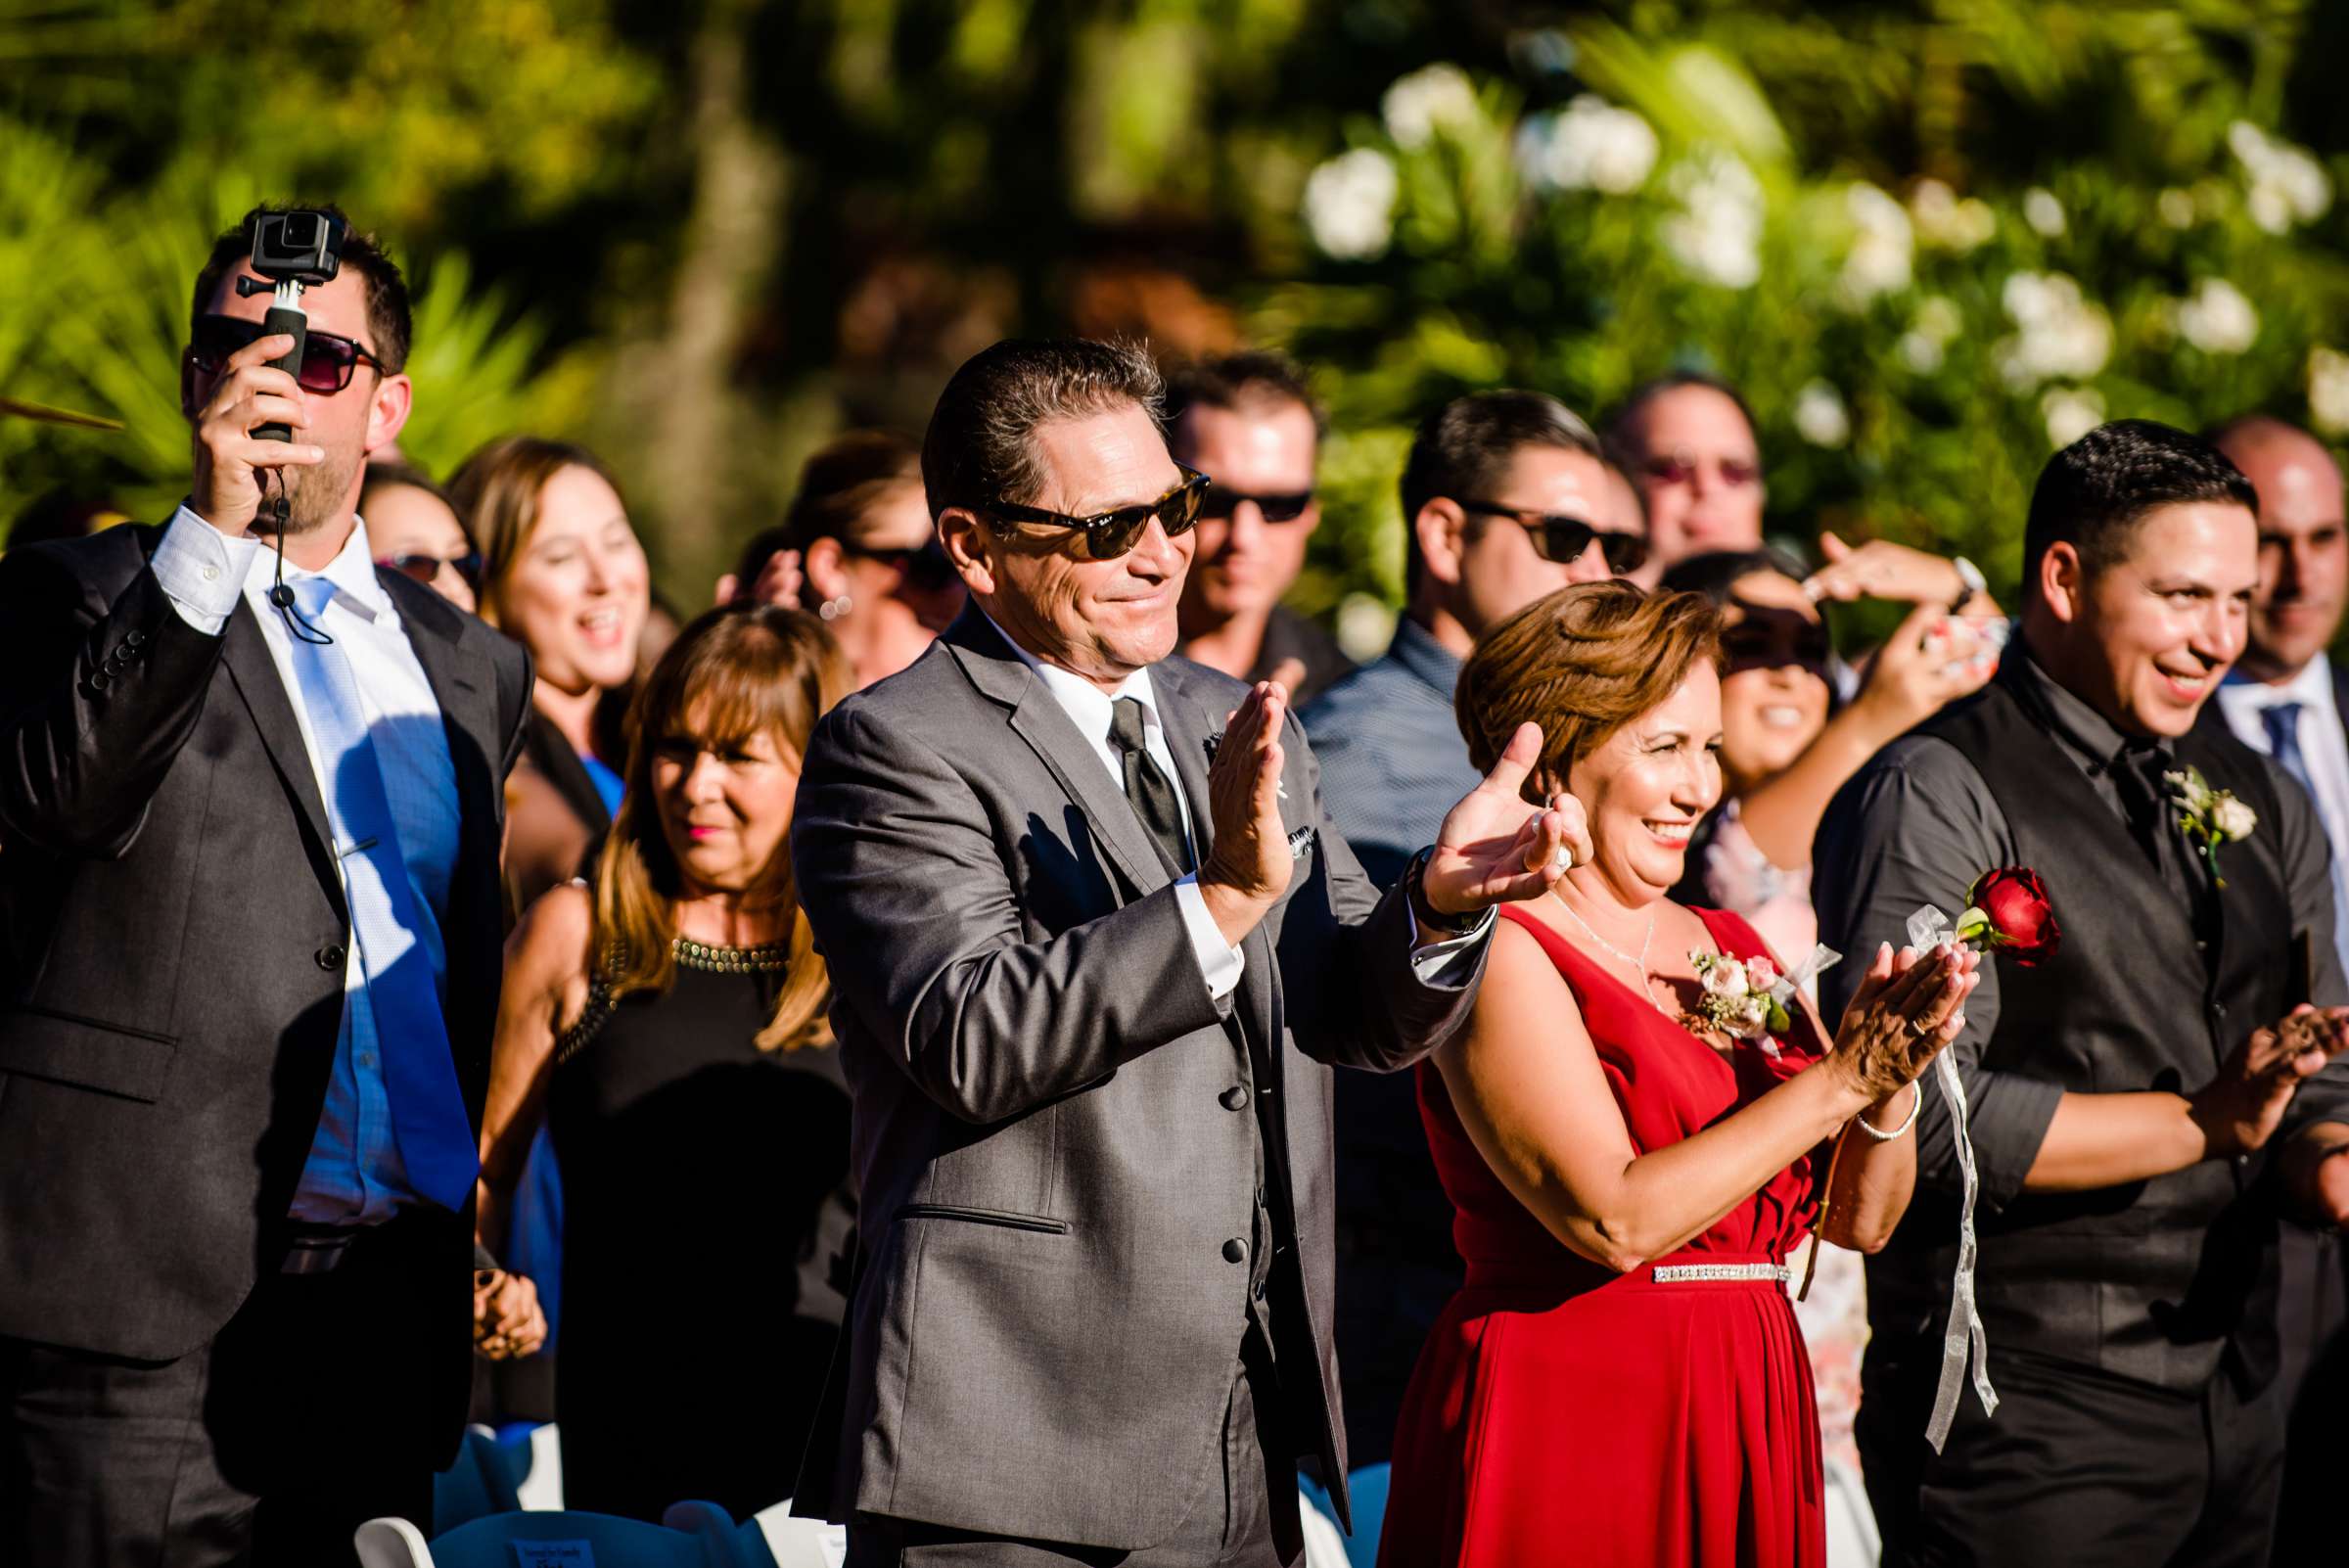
{"type": "Point", "coordinates": [1564, 1414]}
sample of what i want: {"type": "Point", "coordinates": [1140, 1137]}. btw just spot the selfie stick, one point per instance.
{"type": "Point", "coordinates": [285, 315]}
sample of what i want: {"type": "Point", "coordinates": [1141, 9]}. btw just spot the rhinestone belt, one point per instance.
{"type": "Point", "coordinates": [1682, 1274]}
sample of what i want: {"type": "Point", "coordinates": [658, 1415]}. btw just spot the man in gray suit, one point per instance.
{"type": "Point", "coordinates": [1094, 944]}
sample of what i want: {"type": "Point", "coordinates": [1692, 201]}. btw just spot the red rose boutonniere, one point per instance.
{"type": "Point", "coordinates": [2008, 908]}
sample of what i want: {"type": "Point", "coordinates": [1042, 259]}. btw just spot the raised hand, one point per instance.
{"type": "Point", "coordinates": [2239, 1110]}
{"type": "Point", "coordinates": [1907, 1007]}
{"type": "Point", "coordinates": [1248, 868]}
{"type": "Point", "coordinates": [1882, 569]}
{"type": "Point", "coordinates": [1932, 659]}
{"type": "Point", "coordinates": [1494, 847]}
{"type": "Point", "coordinates": [226, 491]}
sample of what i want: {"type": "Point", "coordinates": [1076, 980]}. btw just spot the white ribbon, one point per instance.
{"type": "Point", "coordinates": [1927, 928]}
{"type": "Point", "coordinates": [1823, 958]}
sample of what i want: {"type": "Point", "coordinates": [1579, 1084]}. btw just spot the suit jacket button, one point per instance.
{"type": "Point", "coordinates": [1234, 1097]}
{"type": "Point", "coordinates": [331, 956]}
{"type": "Point", "coordinates": [1235, 1251]}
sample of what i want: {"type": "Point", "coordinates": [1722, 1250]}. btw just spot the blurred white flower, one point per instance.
{"type": "Point", "coordinates": [1365, 625]}
{"type": "Point", "coordinates": [2287, 184]}
{"type": "Point", "coordinates": [2216, 318]}
{"type": "Point", "coordinates": [1820, 415]}
{"type": "Point", "coordinates": [1350, 205]}
{"type": "Point", "coordinates": [1717, 232]}
{"type": "Point", "coordinates": [2328, 390]}
{"type": "Point", "coordinates": [2071, 412]}
{"type": "Point", "coordinates": [1943, 219]}
{"type": "Point", "coordinates": [1883, 244]}
{"type": "Point", "coordinates": [2177, 208]}
{"type": "Point", "coordinates": [2058, 332]}
{"type": "Point", "coordinates": [1431, 99]}
{"type": "Point", "coordinates": [1588, 145]}
{"type": "Point", "coordinates": [2043, 211]}
{"type": "Point", "coordinates": [1924, 346]}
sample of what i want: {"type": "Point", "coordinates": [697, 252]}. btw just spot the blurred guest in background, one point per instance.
{"type": "Point", "coordinates": [667, 1022]}
{"type": "Point", "coordinates": [567, 578]}
{"type": "Point", "coordinates": [1689, 440]}
{"type": "Point", "coordinates": [1787, 748]}
{"type": "Point", "coordinates": [2285, 697]}
{"type": "Point", "coordinates": [857, 549]}
{"type": "Point", "coordinates": [414, 529]}
{"type": "Point", "coordinates": [1251, 425]}
{"type": "Point", "coordinates": [239, 1071]}
{"type": "Point", "coordinates": [1504, 491]}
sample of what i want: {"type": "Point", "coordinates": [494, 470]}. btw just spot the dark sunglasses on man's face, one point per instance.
{"type": "Point", "coordinates": [1220, 502]}
{"type": "Point", "coordinates": [926, 567]}
{"type": "Point", "coordinates": [1109, 535]}
{"type": "Point", "coordinates": [424, 568]}
{"type": "Point", "coordinates": [1563, 539]}
{"type": "Point", "coordinates": [328, 361]}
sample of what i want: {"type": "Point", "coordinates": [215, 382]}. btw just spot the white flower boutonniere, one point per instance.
{"type": "Point", "coordinates": [2211, 816]}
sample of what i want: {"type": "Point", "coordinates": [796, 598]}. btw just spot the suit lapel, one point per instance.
{"type": "Point", "coordinates": [263, 688]}
{"type": "Point", "coordinates": [1039, 720]}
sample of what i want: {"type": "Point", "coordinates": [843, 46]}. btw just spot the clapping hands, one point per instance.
{"type": "Point", "coordinates": [1907, 1008]}
{"type": "Point", "coordinates": [2239, 1110]}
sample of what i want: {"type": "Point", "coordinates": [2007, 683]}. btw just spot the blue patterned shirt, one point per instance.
{"type": "Point", "coordinates": [1393, 761]}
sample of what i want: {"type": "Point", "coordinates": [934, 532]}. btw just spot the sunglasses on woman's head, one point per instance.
{"type": "Point", "coordinates": [1220, 502]}
{"type": "Point", "coordinates": [423, 568]}
{"type": "Point", "coordinates": [1562, 539]}
{"type": "Point", "coordinates": [1109, 535]}
{"type": "Point", "coordinates": [328, 361]}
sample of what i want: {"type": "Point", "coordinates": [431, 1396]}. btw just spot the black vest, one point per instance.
{"type": "Point", "coordinates": [2154, 1279]}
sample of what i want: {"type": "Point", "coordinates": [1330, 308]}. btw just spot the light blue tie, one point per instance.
{"type": "Point", "coordinates": [419, 1077]}
{"type": "Point", "coordinates": [2282, 722]}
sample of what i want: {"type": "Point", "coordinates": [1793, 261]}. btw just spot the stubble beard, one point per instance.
{"type": "Point", "coordinates": [317, 496]}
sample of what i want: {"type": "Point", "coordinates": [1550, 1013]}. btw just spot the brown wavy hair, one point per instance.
{"type": "Point", "coordinates": [1582, 663]}
{"type": "Point", "coordinates": [739, 670]}
{"type": "Point", "coordinates": [495, 494]}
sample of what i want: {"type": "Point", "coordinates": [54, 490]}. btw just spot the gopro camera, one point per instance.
{"type": "Point", "coordinates": [301, 246]}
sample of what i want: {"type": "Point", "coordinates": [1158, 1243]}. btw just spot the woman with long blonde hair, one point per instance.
{"type": "Point", "coordinates": [669, 1022]}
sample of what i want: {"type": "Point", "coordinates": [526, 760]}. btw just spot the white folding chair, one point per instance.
{"type": "Point", "coordinates": [1325, 1546]}
{"type": "Point", "coordinates": [542, 1487]}
{"type": "Point", "coordinates": [788, 1542]}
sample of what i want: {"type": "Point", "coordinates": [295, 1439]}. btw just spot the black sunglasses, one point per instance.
{"type": "Point", "coordinates": [424, 568]}
{"type": "Point", "coordinates": [1772, 639]}
{"type": "Point", "coordinates": [1109, 535]}
{"type": "Point", "coordinates": [1220, 502]}
{"type": "Point", "coordinates": [328, 361]}
{"type": "Point", "coordinates": [1563, 539]}
{"type": "Point", "coordinates": [926, 567]}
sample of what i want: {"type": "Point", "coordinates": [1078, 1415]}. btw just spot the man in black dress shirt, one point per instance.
{"type": "Point", "coordinates": [2137, 1126]}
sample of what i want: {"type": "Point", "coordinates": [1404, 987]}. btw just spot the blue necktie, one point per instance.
{"type": "Point", "coordinates": [2282, 722]}
{"type": "Point", "coordinates": [420, 1076]}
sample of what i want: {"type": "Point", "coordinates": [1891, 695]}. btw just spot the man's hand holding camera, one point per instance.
{"type": "Point", "coordinates": [227, 492]}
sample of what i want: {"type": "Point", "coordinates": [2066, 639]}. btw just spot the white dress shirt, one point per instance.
{"type": "Point", "coordinates": [355, 1175]}
{"type": "Point", "coordinates": [2324, 747]}
{"type": "Point", "coordinates": [1090, 709]}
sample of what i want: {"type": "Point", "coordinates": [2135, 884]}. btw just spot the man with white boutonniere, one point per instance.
{"type": "Point", "coordinates": [2145, 1101]}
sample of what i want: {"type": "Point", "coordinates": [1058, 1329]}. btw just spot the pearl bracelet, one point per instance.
{"type": "Point", "coordinates": [1916, 1103]}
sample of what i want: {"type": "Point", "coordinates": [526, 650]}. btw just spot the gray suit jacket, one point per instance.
{"type": "Point", "coordinates": [1047, 1323]}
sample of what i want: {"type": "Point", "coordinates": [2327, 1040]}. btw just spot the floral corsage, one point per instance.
{"type": "Point", "coordinates": [2212, 816]}
{"type": "Point", "coordinates": [1738, 997]}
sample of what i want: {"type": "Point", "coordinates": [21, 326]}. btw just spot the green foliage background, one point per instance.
{"type": "Point", "coordinates": [703, 234]}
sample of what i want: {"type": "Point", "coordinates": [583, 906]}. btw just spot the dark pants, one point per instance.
{"type": "Point", "coordinates": [2314, 1320]}
{"type": "Point", "coordinates": [1246, 1518]}
{"type": "Point", "coordinates": [2078, 1467]}
{"type": "Point", "coordinates": [303, 1419]}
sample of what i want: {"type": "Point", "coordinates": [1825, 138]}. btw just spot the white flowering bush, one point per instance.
{"type": "Point", "coordinates": [1914, 340]}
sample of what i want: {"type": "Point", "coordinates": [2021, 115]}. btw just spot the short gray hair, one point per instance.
{"type": "Point", "coordinates": [980, 447]}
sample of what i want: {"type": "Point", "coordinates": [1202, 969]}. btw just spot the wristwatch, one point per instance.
{"type": "Point", "coordinates": [1413, 882]}
{"type": "Point", "coordinates": [1969, 575]}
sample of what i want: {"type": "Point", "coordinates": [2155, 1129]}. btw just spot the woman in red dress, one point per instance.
{"type": "Point", "coordinates": [1621, 1380]}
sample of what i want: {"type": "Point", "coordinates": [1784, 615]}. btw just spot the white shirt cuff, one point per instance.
{"type": "Point", "coordinates": [1446, 963]}
{"type": "Point", "coordinates": [202, 570]}
{"type": "Point", "coordinates": [1219, 962]}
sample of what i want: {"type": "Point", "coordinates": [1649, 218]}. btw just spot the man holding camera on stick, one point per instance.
{"type": "Point", "coordinates": [249, 809]}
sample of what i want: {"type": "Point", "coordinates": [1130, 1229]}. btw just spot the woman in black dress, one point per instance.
{"type": "Point", "coordinates": [668, 1023]}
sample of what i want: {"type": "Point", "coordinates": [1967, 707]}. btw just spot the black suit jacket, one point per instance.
{"type": "Point", "coordinates": [172, 931]}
